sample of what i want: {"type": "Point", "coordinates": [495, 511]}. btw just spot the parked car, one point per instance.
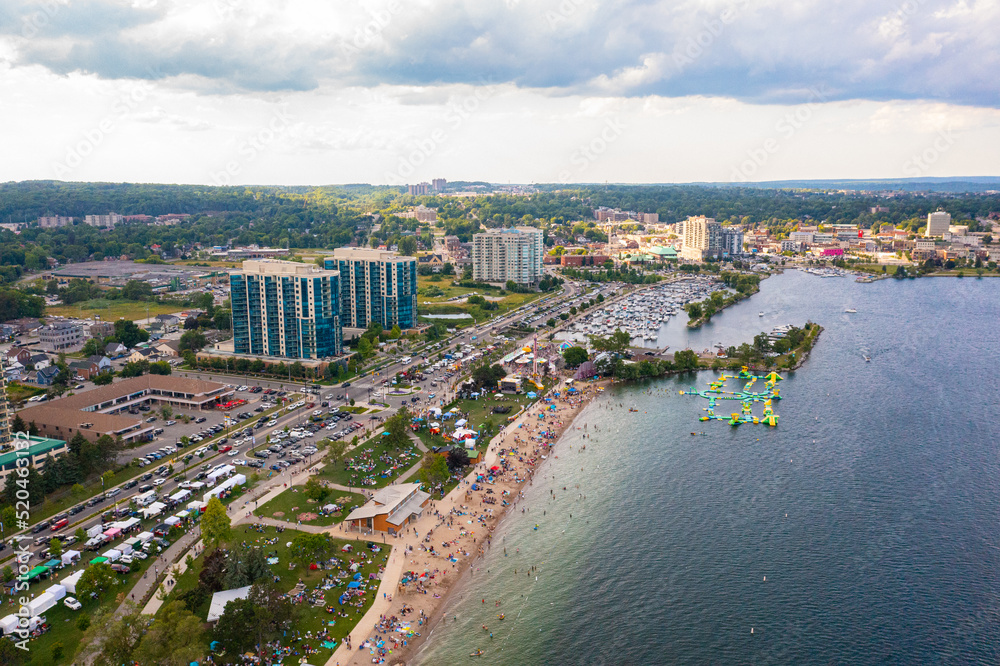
{"type": "Point", "coordinates": [72, 604]}
{"type": "Point", "coordinates": [159, 482]}
{"type": "Point", "coordinates": [120, 568]}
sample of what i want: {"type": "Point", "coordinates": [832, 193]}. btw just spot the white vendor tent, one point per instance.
{"type": "Point", "coordinates": [41, 603]}
{"type": "Point", "coordinates": [125, 549]}
{"type": "Point", "coordinates": [70, 556]}
{"type": "Point", "coordinates": [8, 624]}
{"type": "Point", "coordinates": [143, 537]}
{"type": "Point", "coordinates": [237, 480]}
{"type": "Point", "coordinates": [220, 599]}
{"type": "Point", "coordinates": [70, 581]}
{"type": "Point", "coordinates": [57, 591]}
{"type": "Point", "coordinates": [112, 555]}
{"type": "Point", "coordinates": [197, 505]}
{"type": "Point", "coordinates": [154, 509]}
{"type": "Point", "coordinates": [180, 496]}
{"type": "Point", "coordinates": [172, 520]}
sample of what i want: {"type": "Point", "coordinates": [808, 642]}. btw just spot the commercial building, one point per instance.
{"type": "Point", "coordinates": [375, 285]}
{"type": "Point", "coordinates": [61, 335]}
{"type": "Point", "coordinates": [35, 449]}
{"type": "Point", "coordinates": [389, 510]}
{"type": "Point", "coordinates": [250, 252]}
{"type": "Point", "coordinates": [937, 223]}
{"type": "Point", "coordinates": [107, 410]}
{"type": "Point", "coordinates": [421, 213]}
{"type": "Point", "coordinates": [514, 254]}
{"type": "Point", "coordinates": [418, 190]}
{"type": "Point", "coordinates": [286, 309]}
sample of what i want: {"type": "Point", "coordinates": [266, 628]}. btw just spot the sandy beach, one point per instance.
{"type": "Point", "coordinates": [442, 549]}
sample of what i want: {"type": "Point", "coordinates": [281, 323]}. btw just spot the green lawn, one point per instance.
{"type": "Point", "coordinates": [18, 392]}
{"type": "Point", "coordinates": [308, 617]}
{"type": "Point", "coordinates": [374, 464]}
{"type": "Point", "coordinates": [290, 504]}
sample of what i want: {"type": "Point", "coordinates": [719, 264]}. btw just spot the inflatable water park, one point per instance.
{"type": "Point", "coordinates": [747, 396]}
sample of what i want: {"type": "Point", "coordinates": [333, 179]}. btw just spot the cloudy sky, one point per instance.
{"type": "Point", "coordinates": [399, 91]}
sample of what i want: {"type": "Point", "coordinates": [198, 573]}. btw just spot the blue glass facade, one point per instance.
{"type": "Point", "coordinates": [286, 311]}
{"type": "Point", "coordinates": [378, 287]}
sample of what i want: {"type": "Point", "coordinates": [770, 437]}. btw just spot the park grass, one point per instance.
{"type": "Point", "coordinates": [112, 310]}
{"type": "Point", "coordinates": [307, 618]}
{"type": "Point", "coordinates": [293, 501]}
{"type": "Point", "coordinates": [382, 475]}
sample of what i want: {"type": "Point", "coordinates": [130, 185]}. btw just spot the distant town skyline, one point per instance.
{"type": "Point", "coordinates": [387, 92]}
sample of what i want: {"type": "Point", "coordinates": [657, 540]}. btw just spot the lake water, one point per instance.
{"type": "Point", "coordinates": [872, 510]}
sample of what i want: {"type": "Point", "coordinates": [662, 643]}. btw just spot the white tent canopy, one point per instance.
{"type": "Point", "coordinates": [461, 422]}
{"type": "Point", "coordinates": [57, 591]}
{"type": "Point", "coordinates": [8, 624]}
{"type": "Point", "coordinates": [113, 555]}
{"type": "Point", "coordinates": [237, 480]}
{"type": "Point", "coordinates": [172, 520]}
{"type": "Point", "coordinates": [144, 536]}
{"type": "Point", "coordinates": [69, 556]}
{"type": "Point", "coordinates": [41, 603]}
{"type": "Point", "coordinates": [220, 599]}
{"type": "Point", "coordinates": [70, 582]}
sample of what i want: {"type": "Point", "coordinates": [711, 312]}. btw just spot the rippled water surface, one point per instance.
{"type": "Point", "coordinates": [872, 510]}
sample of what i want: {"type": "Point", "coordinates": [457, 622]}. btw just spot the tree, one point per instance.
{"type": "Point", "coordinates": [215, 523]}
{"type": "Point", "coordinates": [8, 574]}
{"type": "Point", "coordinates": [192, 340]}
{"type": "Point", "coordinates": [575, 356]}
{"type": "Point", "coordinates": [166, 411]}
{"type": "Point", "coordinates": [129, 334]}
{"type": "Point", "coordinates": [315, 490]}
{"type": "Point", "coordinates": [134, 368]}
{"type": "Point", "coordinates": [8, 515]}
{"type": "Point", "coordinates": [458, 459]}
{"type": "Point", "coordinates": [160, 368]}
{"type": "Point", "coordinates": [395, 333]}
{"type": "Point", "coordinates": [97, 579]}
{"type": "Point", "coordinates": [256, 620]}
{"type": "Point", "coordinates": [336, 450]}
{"type": "Point", "coordinates": [434, 469]}
{"type": "Point", "coordinates": [103, 379]}
{"type": "Point", "coordinates": [310, 547]}
{"type": "Point", "coordinates": [616, 343]}
{"type": "Point", "coordinates": [18, 424]}
{"type": "Point", "coordinates": [175, 638]}
{"type": "Point", "coordinates": [55, 548]}
{"type": "Point", "coordinates": [213, 571]}
{"type": "Point", "coordinates": [396, 426]}
{"type": "Point", "coordinates": [112, 637]}
{"type": "Point", "coordinates": [80, 534]}
{"type": "Point", "coordinates": [92, 347]}
{"type": "Point", "coordinates": [447, 269]}
{"type": "Point", "coordinates": [407, 245]}
{"type": "Point", "coordinates": [488, 376]}
{"type": "Point", "coordinates": [246, 567]}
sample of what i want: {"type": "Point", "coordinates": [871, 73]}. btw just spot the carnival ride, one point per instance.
{"type": "Point", "coordinates": [747, 396]}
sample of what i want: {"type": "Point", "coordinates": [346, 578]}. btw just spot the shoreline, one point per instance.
{"type": "Point", "coordinates": [517, 450]}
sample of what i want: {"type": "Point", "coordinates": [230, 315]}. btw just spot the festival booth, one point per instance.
{"type": "Point", "coordinates": [54, 563]}
{"type": "Point", "coordinates": [222, 473]}
{"type": "Point", "coordinates": [125, 549]}
{"type": "Point", "coordinates": [112, 555]}
{"type": "Point", "coordinates": [98, 560]}
{"type": "Point", "coordinates": [197, 505]}
{"type": "Point", "coordinates": [172, 520]}
{"type": "Point", "coordinates": [154, 509]}
{"type": "Point", "coordinates": [460, 423]}
{"type": "Point", "coordinates": [70, 582]}
{"type": "Point", "coordinates": [70, 557]}
{"type": "Point", "coordinates": [133, 543]}
{"type": "Point", "coordinates": [8, 625]}
{"type": "Point", "coordinates": [228, 484]}
{"type": "Point", "coordinates": [41, 603]}
{"type": "Point", "coordinates": [435, 428]}
{"type": "Point", "coordinates": [37, 573]}
{"type": "Point", "coordinates": [126, 526]}
{"type": "Point", "coordinates": [143, 537]}
{"type": "Point", "coordinates": [113, 533]}
{"type": "Point", "coordinates": [180, 496]}
{"type": "Point", "coordinates": [57, 591]}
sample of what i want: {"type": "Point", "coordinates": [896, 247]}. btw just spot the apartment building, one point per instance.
{"type": "Point", "coordinates": [375, 285]}
{"type": "Point", "coordinates": [514, 254]}
{"type": "Point", "coordinates": [54, 222]}
{"type": "Point", "coordinates": [286, 309]}
{"type": "Point", "coordinates": [938, 223]}
{"type": "Point", "coordinates": [111, 220]}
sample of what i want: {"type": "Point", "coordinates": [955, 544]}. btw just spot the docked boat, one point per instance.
{"type": "Point", "coordinates": [851, 310]}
